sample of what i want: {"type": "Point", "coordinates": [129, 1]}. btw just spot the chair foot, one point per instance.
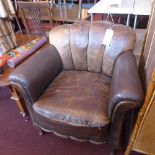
{"type": "Point", "coordinates": [41, 132]}
{"type": "Point", "coordinates": [26, 118]}
{"type": "Point", "coordinates": [23, 114]}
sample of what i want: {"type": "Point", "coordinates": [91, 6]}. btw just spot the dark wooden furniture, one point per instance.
{"type": "Point", "coordinates": [33, 17]}
{"type": "Point", "coordinates": [63, 13]}
{"type": "Point", "coordinates": [21, 39]}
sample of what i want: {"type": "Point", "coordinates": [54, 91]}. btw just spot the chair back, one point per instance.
{"type": "Point", "coordinates": [81, 46]}
{"type": "Point", "coordinates": [35, 15]}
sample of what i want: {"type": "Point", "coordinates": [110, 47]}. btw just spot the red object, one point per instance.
{"type": "Point", "coordinates": [3, 60]}
{"type": "Point", "coordinates": [7, 57]}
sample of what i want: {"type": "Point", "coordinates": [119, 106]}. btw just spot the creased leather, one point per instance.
{"type": "Point", "coordinates": [95, 50]}
{"type": "Point", "coordinates": [75, 103]}
{"type": "Point", "coordinates": [60, 38]}
{"type": "Point", "coordinates": [79, 36]}
{"type": "Point", "coordinates": [78, 98]}
{"type": "Point", "coordinates": [123, 40]}
{"type": "Point", "coordinates": [126, 84]}
{"type": "Point", "coordinates": [81, 45]}
{"type": "Point", "coordinates": [35, 74]}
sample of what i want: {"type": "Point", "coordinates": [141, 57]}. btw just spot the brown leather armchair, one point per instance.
{"type": "Point", "coordinates": [79, 88]}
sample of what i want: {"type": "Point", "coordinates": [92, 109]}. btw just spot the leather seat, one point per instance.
{"type": "Point", "coordinates": [86, 107]}
{"type": "Point", "coordinates": [88, 104]}
{"type": "Point", "coordinates": [81, 88]}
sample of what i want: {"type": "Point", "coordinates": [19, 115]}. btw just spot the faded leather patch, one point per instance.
{"type": "Point", "coordinates": [60, 38]}
{"type": "Point", "coordinates": [81, 47]}
{"type": "Point", "coordinates": [78, 98]}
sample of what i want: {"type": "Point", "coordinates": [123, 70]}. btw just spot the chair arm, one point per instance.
{"type": "Point", "coordinates": [126, 84]}
{"type": "Point", "coordinates": [35, 74]}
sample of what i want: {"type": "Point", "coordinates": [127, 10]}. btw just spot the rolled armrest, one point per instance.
{"type": "Point", "coordinates": [126, 84]}
{"type": "Point", "coordinates": [35, 74]}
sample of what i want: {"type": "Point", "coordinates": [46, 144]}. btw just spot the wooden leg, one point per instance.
{"type": "Point", "coordinates": [128, 150]}
{"type": "Point", "coordinates": [19, 101]}
{"type": "Point", "coordinates": [41, 132]}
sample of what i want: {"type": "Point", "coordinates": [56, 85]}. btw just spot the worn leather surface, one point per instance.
{"type": "Point", "coordinates": [76, 104]}
{"type": "Point", "coordinates": [83, 47]}
{"type": "Point", "coordinates": [35, 74]}
{"type": "Point", "coordinates": [79, 37]}
{"type": "Point", "coordinates": [77, 98]}
{"type": "Point", "coordinates": [66, 130]}
{"type": "Point", "coordinates": [123, 40]}
{"type": "Point", "coordinates": [60, 39]}
{"type": "Point", "coordinates": [126, 84]}
{"type": "Point", "coordinates": [95, 48]}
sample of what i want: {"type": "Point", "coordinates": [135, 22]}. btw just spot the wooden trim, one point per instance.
{"type": "Point", "coordinates": [19, 101]}
{"type": "Point", "coordinates": [150, 96]}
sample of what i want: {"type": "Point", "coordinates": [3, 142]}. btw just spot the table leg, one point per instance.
{"type": "Point", "coordinates": [128, 20]}
{"type": "Point", "coordinates": [18, 24]}
{"type": "Point", "coordinates": [91, 17]}
{"type": "Point", "coordinates": [135, 22]}
{"type": "Point", "coordinates": [19, 101]}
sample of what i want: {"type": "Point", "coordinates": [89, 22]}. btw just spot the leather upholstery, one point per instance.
{"type": "Point", "coordinates": [66, 86]}
{"type": "Point", "coordinates": [88, 104]}
{"type": "Point", "coordinates": [80, 100]}
{"type": "Point", "coordinates": [97, 135]}
{"type": "Point", "coordinates": [83, 44]}
{"type": "Point", "coordinates": [36, 79]}
{"type": "Point", "coordinates": [62, 44]}
{"type": "Point", "coordinates": [126, 84]}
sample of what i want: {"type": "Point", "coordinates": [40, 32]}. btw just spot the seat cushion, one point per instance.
{"type": "Point", "coordinates": [78, 98]}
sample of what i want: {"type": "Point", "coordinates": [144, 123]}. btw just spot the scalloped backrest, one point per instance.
{"type": "Point", "coordinates": [81, 47]}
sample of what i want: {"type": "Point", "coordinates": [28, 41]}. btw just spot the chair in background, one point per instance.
{"type": "Point", "coordinates": [68, 11]}
{"type": "Point", "coordinates": [36, 16]}
{"type": "Point", "coordinates": [82, 89]}
{"type": "Point", "coordinates": [85, 4]}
